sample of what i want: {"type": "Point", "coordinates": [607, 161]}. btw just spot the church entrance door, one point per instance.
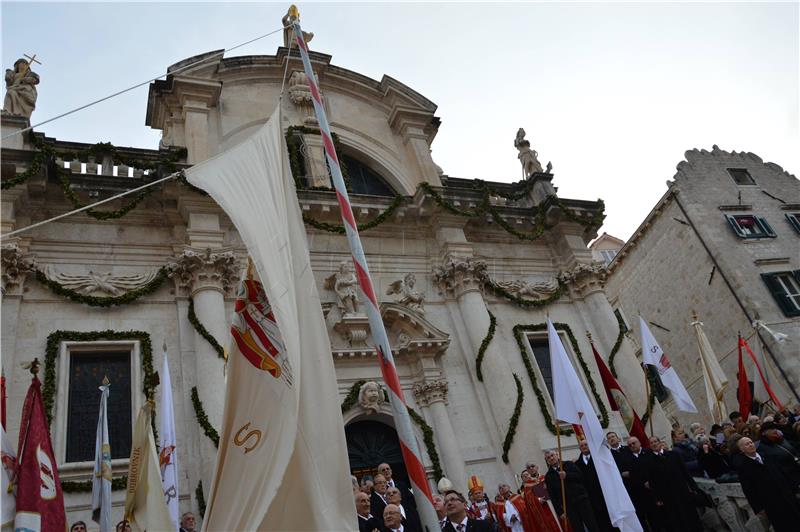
{"type": "Point", "coordinates": [370, 443]}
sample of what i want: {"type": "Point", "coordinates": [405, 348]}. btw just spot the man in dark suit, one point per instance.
{"type": "Point", "coordinates": [767, 488]}
{"type": "Point", "coordinates": [410, 516]}
{"type": "Point", "coordinates": [187, 522]}
{"type": "Point", "coordinates": [579, 509]}
{"type": "Point", "coordinates": [457, 521]}
{"type": "Point", "coordinates": [586, 466]}
{"type": "Point", "coordinates": [639, 464]}
{"type": "Point", "coordinates": [672, 486]}
{"type": "Point", "coordinates": [366, 521]}
{"type": "Point", "coordinates": [405, 490]}
{"type": "Point", "coordinates": [393, 521]}
{"type": "Point", "coordinates": [378, 498]}
{"type": "Point", "coordinates": [775, 446]}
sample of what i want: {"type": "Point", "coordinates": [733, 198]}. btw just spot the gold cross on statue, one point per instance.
{"type": "Point", "coordinates": [31, 60]}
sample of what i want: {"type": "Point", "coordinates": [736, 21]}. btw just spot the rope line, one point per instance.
{"type": "Point", "coordinates": [176, 71]}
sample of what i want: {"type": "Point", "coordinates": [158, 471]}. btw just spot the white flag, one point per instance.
{"type": "Point", "coordinates": [653, 355]}
{"type": "Point", "coordinates": [101, 482]}
{"type": "Point", "coordinates": [573, 406]}
{"type": "Point", "coordinates": [168, 456]}
{"type": "Point", "coordinates": [282, 462]}
{"type": "Point", "coordinates": [715, 380]}
{"type": "Point", "coordinates": [9, 460]}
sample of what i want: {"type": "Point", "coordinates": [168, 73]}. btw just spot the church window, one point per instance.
{"type": "Point", "coordinates": [750, 226]}
{"type": "Point", "coordinates": [741, 176]}
{"type": "Point", "coordinates": [608, 255]}
{"type": "Point", "coordinates": [365, 180]}
{"type": "Point", "coordinates": [794, 220]}
{"type": "Point", "coordinates": [785, 289]}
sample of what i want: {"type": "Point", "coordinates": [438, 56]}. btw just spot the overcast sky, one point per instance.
{"type": "Point", "coordinates": [612, 94]}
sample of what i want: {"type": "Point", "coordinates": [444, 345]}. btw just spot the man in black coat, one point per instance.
{"type": "Point", "coordinates": [366, 521]}
{"type": "Point", "coordinates": [405, 490]}
{"type": "Point", "coordinates": [579, 509]}
{"type": "Point", "coordinates": [672, 486]}
{"type": "Point", "coordinates": [586, 466]}
{"type": "Point", "coordinates": [640, 464]}
{"type": "Point", "coordinates": [767, 488]}
{"type": "Point", "coordinates": [774, 446]}
{"type": "Point", "coordinates": [378, 497]}
{"type": "Point", "coordinates": [457, 521]}
{"type": "Point", "coordinates": [410, 516]}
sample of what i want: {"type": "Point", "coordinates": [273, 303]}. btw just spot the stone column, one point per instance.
{"type": "Point", "coordinates": [432, 396]}
{"type": "Point", "coordinates": [206, 277]}
{"type": "Point", "coordinates": [16, 266]}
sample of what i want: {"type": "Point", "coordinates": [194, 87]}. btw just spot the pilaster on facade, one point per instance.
{"type": "Point", "coordinates": [16, 265]}
{"type": "Point", "coordinates": [197, 270]}
{"type": "Point", "coordinates": [430, 391]}
{"type": "Point", "coordinates": [460, 275]}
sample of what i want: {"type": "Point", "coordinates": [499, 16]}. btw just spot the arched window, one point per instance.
{"type": "Point", "coordinates": [365, 180]}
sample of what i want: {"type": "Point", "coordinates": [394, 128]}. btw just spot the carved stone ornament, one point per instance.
{"type": "Point", "coordinates": [299, 90]}
{"type": "Point", "coordinates": [530, 289]}
{"type": "Point", "coordinates": [370, 397]}
{"type": "Point", "coordinates": [16, 266]}
{"type": "Point", "coordinates": [528, 158]}
{"type": "Point", "coordinates": [586, 275]}
{"type": "Point", "coordinates": [430, 392]}
{"type": "Point", "coordinates": [198, 270]}
{"type": "Point", "coordinates": [345, 284]}
{"type": "Point", "coordinates": [408, 296]}
{"type": "Point", "coordinates": [460, 274]}
{"type": "Point", "coordinates": [91, 281]}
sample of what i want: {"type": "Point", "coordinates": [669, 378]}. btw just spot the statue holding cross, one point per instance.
{"type": "Point", "coordinates": [21, 88]}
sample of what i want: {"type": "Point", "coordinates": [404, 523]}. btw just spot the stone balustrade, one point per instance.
{"type": "Point", "coordinates": [731, 510]}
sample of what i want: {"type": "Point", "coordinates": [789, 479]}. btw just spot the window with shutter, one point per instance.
{"type": "Point", "coordinates": [741, 176]}
{"type": "Point", "coordinates": [750, 226]}
{"type": "Point", "coordinates": [785, 289]}
{"type": "Point", "coordinates": [794, 220]}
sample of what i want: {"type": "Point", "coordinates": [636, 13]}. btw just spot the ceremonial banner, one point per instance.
{"type": "Point", "coordinates": [167, 443]}
{"type": "Point", "coordinates": [101, 482]}
{"type": "Point", "coordinates": [9, 459]}
{"type": "Point", "coordinates": [743, 393]}
{"type": "Point", "coordinates": [761, 382]}
{"type": "Point", "coordinates": [653, 355]}
{"type": "Point", "coordinates": [619, 401]}
{"type": "Point", "coordinates": [572, 405]}
{"type": "Point", "coordinates": [282, 462]}
{"type": "Point", "coordinates": [144, 500]}
{"type": "Point", "coordinates": [715, 380]}
{"type": "Point", "coordinates": [40, 503]}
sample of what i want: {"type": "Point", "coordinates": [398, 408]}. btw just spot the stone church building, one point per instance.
{"type": "Point", "coordinates": [467, 272]}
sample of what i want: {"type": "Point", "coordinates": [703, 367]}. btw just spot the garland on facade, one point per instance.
{"type": "Point", "coordinates": [617, 344]}
{"type": "Point", "coordinates": [519, 331]}
{"type": "Point", "coordinates": [351, 399]}
{"type": "Point", "coordinates": [109, 301]}
{"type": "Point", "coordinates": [201, 500]}
{"type": "Point", "coordinates": [512, 424]}
{"type": "Point", "coordinates": [85, 486]}
{"type": "Point", "coordinates": [651, 398]}
{"type": "Point", "coordinates": [202, 331]}
{"type": "Point", "coordinates": [526, 303]}
{"type": "Point", "coordinates": [181, 178]}
{"type": "Point", "coordinates": [293, 143]}
{"type": "Point", "coordinates": [485, 344]}
{"type": "Point", "coordinates": [34, 168]}
{"type": "Point", "coordinates": [66, 187]}
{"type": "Point", "coordinates": [202, 418]}
{"type": "Point", "coordinates": [539, 222]}
{"type": "Point", "coordinates": [378, 220]}
{"type": "Point", "coordinates": [54, 340]}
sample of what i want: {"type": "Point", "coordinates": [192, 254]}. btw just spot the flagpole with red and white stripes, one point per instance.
{"type": "Point", "coordinates": [408, 442]}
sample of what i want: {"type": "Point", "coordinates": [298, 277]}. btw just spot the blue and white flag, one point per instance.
{"type": "Point", "coordinates": [101, 483]}
{"type": "Point", "coordinates": [167, 444]}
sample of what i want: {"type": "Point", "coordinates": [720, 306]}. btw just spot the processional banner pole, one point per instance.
{"type": "Point", "coordinates": [408, 442]}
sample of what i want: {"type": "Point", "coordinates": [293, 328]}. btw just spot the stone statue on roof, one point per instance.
{"type": "Point", "coordinates": [527, 157]}
{"type": "Point", "coordinates": [20, 89]}
{"type": "Point", "coordinates": [288, 32]}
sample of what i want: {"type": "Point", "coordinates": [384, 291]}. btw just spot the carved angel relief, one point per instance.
{"type": "Point", "coordinates": [530, 289]}
{"type": "Point", "coordinates": [410, 298]}
{"type": "Point", "coordinates": [90, 282]}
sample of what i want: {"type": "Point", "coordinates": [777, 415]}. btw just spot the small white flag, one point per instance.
{"type": "Point", "coordinates": [167, 443]}
{"type": "Point", "coordinates": [653, 355]}
{"type": "Point", "coordinates": [9, 460]}
{"type": "Point", "coordinates": [101, 482]}
{"type": "Point", "coordinates": [573, 406]}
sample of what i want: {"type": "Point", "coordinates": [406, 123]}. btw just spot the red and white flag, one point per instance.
{"type": "Point", "coordinates": [282, 460]}
{"type": "Point", "coordinates": [572, 405]}
{"type": "Point", "coordinates": [653, 355]}
{"type": "Point", "coordinates": [763, 390]}
{"type": "Point", "coordinates": [40, 502]}
{"type": "Point", "coordinates": [743, 394]}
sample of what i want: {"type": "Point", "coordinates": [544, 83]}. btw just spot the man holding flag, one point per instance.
{"type": "Point", "coordinates": [572, 405]}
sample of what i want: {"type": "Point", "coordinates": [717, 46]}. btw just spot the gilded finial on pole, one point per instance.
{"type": "Point", "coordinates": [589, 336]}
{"type": "Point", "coordinates": [33, 366]}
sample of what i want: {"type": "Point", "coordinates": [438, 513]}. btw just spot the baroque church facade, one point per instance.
{"type": "Point", "coordinates": [467, 272]}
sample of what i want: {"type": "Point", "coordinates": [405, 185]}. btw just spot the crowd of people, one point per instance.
{"type": "Point", "coordinates": [762, 453]}
{"type": "Point", "coordinates": [188, 523]}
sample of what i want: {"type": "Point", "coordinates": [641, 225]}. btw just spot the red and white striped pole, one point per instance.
{"type": "Point", "coordinates": [408, 443]}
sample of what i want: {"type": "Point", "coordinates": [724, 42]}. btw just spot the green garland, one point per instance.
{"type": "Point", "coordinates": [54, 340]}
{"type": "Point", "coordinates": [485, 344]}
{"type": "Point", "coordinates": [201, 500]}
{"type": "Point", "coordinates": [519, 334]}
{"type": "Point", "coordinates": [617, 344]}
{"type": "Point", "coordinates": [651, 398]}
{"type": "Point", "coordinates": [430, 444]}
{"type": "Point", "coordinates": [526, 303]}
{"type": "Point", "coordinates": [378, 220]}
{"type": "Point", "coordinates": [202, 418]}
{"type": "Point", "coordinates": [110, 301]}
{"type": "Point", "coordinates": [514, 421]}
{"type": "Point", "coordinates": [38, 160]}
{"type": "Point", "coordinates": [202, 331]}
{"type": "Point", "coordinates": [85, 486]}
{"type": "Point", "coordinates": [293, 143]}
{"type": "Point", "coordinates": [427, 432]}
